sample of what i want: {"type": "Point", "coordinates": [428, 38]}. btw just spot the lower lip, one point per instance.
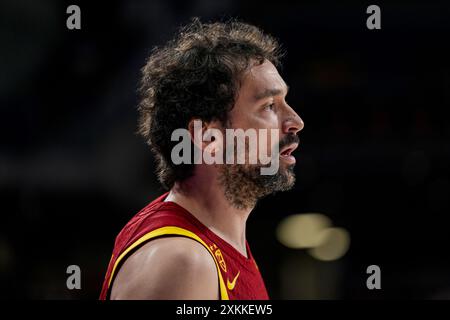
{"type": "Point", "coordinates": [289, 159]}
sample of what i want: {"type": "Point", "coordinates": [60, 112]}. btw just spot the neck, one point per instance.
{"type": "Point", "coordinates": [204, 198]}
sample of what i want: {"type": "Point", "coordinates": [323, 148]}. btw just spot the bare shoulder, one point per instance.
{"type": "Point", "coordinates": [167, 268]}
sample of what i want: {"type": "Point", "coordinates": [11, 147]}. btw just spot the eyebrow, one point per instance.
{"type": "Point", "coordinates": [270, 93]}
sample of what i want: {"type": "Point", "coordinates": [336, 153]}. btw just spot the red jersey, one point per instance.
{"type": "Point", "coordinates": [238, 276]}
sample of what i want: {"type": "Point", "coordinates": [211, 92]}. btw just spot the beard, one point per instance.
{"type": "Point", "coordinates": [244, 185]}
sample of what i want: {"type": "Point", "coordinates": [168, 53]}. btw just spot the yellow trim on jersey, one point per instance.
{"type": "Point", "coordinates": [171, 230]}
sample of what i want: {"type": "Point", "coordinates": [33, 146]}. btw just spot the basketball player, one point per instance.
{"type": "Point", "coordinates": [190, 242]}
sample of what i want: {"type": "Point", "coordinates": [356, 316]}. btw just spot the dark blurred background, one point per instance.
{"type": "Point", "coordinates": [374, 154]}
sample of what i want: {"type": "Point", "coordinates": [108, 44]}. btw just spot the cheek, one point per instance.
{"type": "Point", "coordinates": [268, 139]}
{"type": "Point", "coordinates": [266, 120]}
{"type": "Point", "coordinates": [270, 135]}
{"type": "Point", "coordinates": [272, 125]}
{"type": "Point", "coordinates": [257, 121]}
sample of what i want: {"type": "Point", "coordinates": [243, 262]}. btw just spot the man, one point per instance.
{"type": "Point", "coordinates": [190, 242]}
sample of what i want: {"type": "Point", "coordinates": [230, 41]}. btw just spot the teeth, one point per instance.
{"type": "Point", "coordinates": [287, 152]}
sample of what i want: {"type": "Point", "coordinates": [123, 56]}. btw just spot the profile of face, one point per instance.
{"type": "Point", "coordinates": [261, 104]}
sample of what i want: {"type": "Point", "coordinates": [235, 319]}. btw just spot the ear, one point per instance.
{"type": "Point", "coordinates": [204, 134]}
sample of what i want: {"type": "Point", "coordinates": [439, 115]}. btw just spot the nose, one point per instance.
{"type": "Point", "coordinates": [293, 123]}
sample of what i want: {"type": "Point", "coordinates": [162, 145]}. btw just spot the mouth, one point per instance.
{"type": "Point", "coordinates": [286, 153]}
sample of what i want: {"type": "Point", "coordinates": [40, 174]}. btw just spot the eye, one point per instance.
{"type": "Point", "coordinates": [270, 107]}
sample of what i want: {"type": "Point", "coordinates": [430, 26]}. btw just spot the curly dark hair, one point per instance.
{"type": "Point", "coordinates": [196, 76]}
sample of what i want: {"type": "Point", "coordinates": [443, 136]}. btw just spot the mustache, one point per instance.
{"type": "Point", "coordinates": [288, 139]}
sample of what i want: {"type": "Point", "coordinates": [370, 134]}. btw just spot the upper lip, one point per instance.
{"type": "Point", "coordinates": [289, 148]}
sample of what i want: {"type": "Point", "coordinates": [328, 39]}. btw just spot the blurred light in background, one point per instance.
{"type": "Point", "coordinates": [334, 243]}
{"type": "Point", "coordinates": [302, 230]}
{"type": "Point", "coordinates": [314, 231]}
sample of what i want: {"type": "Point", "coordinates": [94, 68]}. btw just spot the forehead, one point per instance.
{"type": "Point", "coordinates": [262, 78]}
